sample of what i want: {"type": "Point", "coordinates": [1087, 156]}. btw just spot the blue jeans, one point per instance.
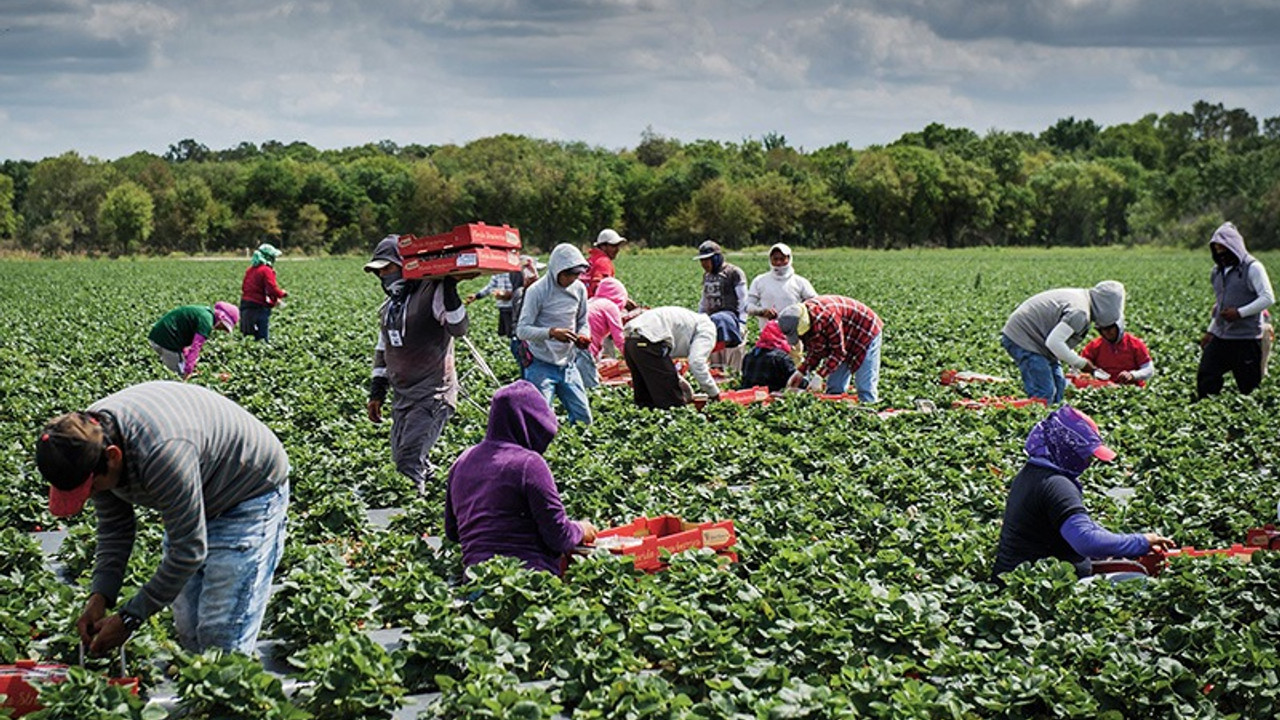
{"type": "Point", "coordinates": [564, 383]}
{"type": "Point", "coordinates": [255, 320]}
{"type": "Point", "coordinates": [223, 603]}
{"type": "Point", "coordinates": [1041, 376]}
{"type": "Point", "coordinates": [866, 378]}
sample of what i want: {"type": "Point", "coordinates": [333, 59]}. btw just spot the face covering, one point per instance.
{"type": "Point", "coordinates": [782, 272]}
{"type": "Point", "coordinates": [392, 284]}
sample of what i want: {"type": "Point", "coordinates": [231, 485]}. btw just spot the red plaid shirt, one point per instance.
{"type": "Point", "coordinates": [840, 331]}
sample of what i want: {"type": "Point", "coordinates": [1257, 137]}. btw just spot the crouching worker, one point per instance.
{"type": "Point", "coordinates": [1121, 355]}
{"type": "Point", "coordinates": [769, 362]}
{"type": "Point", "coordinates": [501, 498]}
{"type": "Point", "coordinates": [179, 336]}
{"type": "Point", "coordinates": [220, 481]}
{"type": "Point", "coordinates": [653, 339]}
{"type": "Point", "coordinates": [1044, 515]}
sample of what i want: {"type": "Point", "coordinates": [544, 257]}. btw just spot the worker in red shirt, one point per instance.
{"type": "Point", "coordinates": [1121, 355]}
{"type": "Point", "coordinates": [600, 261]}
{"type": "Point", "coordinates": [260, 292]}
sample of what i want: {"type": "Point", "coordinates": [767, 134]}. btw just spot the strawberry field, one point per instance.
{"type": "Point", "coordinates": [865, 542]}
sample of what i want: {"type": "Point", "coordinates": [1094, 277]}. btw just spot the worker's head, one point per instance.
{"type": "Point", "coordinates": [1111, 333]}
{"type": "Point", "coordinates": [566, 264]}
{"type": "Point", "coordinates": [77, 459]}
{"type": "Point", "coordinates": [1067, 440]}
{"type": "Point", "coordinates": [1227, 245]}
{"type": "Point", "coordinates": [793, 321]}
{"type": "Point", "coordinates": [609, 242]}
{"type": "Point", "coordinates": [225, 316]}
{"type": "Point", "coordinates": [614, 291]}
{"type": "Point", "coordinates": [711, 256]}
{"type": "Point", "coordinates": [386, 254]}
{"type": "Point", "coordinates": [780, 260]}
{"type": "Point", "coordinates": [518, 414]}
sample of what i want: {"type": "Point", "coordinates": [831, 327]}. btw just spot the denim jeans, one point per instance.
{"type": "Point", "coordinates": [587, 370]}
{"type": "Point", "coordinates": [564, 383]}
{"type": "Point", "coordinates": [866, 378]}
{"type": "Point", "coordinates": [1041, 376]}
{"type": "Point", "coordinates": [223, 603]}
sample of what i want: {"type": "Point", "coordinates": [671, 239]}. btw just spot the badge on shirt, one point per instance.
{"type": "Point", "coordinates": [393, 336]}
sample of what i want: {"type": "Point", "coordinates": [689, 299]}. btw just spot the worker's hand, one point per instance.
{"type": "Point", "coordinates": [1124, 377]}
{"type": "Point", "coordinates": [1204, 339]}
{"type": "Point", "coordinates": [1230, 314]}
{"type": "Point", "coordinates": [1087, 368]}
{"type": "Point", "coordinates": [769, 314]}
{"type": "Point", "coordinates": [796, 381]}
{"type": "Point", "coordinates": [502, 294]}
{"type": "Point", "coordinates": [470, 299]}
{"type": "Point", "coordinates": [629, 305]}
{"type": "Point", "coordinates": [1158, 542]}
{"type": "Point", "coordinates": [582, 341]}
{"type": "Point", "coordinates": [588, 531]}
{"type": "Point", "coordinates": [109, 634]}
{"type": "Point", "coordinates": [375, 411]}
{"type": "Point", "coordinates": [562, 334]}
{"type": "Point", "coordinates": [94, 610]}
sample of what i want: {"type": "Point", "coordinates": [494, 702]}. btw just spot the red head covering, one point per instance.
{"type": "Point", "coordinates": [771, 338]}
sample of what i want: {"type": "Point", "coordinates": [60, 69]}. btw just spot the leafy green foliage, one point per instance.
{"type": "Point", "coordinates": [85, 694]}
{"type": "Point", "coordinates": [350, 677]}
{"type": "Point", "coordinates": [217, 684]}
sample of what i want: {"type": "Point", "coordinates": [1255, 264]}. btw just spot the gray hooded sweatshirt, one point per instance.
{"type": "Point", "coordinates": [1055, 321]}
{"type": "Point", "coordinates": [547, 306]}
{"type": "Point", "coordinates": [1244, 286]}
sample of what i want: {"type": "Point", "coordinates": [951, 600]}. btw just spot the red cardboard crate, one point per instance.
{"type": "Point", "coordinates": [468, 261]}
{"type": "Point", "coordinates": [21, 695]}
{"type": "Point", "coordinates": [747, 396]}
{"type": "Point", "coordinates": [666, 532]}
{"type": "Point", "coordinates": [1266, 536]}
{"type": "Point", "coordinates": [501, 237]}
{"type": "Point", "coordinates": [998, 403]}
{"type": "Point", "coordinates": [956, 377]}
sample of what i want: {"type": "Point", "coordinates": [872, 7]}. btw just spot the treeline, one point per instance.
{"type": "Point", "coordinates": [1163, 179]}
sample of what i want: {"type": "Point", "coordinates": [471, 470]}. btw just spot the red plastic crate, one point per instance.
{"type": "Point", "coordinates": [1086, 381]}
{"type": "Point", "coordinates": [850, 398]}
{"type": "Point", "coordinates": [469, 261]}
{"type": "Point", "coordinates": [1266, 536]}
{"type": "Point", "coordinates": [670, 533]}
{"type": "Point", "coordinates": [21, 696]}
{"type": "Point", "coordinates": [957, 377]}
{"type": "Point", "coordinates": [501, 237]}
{"type": "Point", "coordinates": [747, 396]}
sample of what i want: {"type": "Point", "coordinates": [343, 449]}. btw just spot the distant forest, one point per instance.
{"type": "Point", "coordinates": [1163, 179]}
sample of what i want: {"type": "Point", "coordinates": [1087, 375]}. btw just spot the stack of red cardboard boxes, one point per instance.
{"type": "Point", "coordinates": [471, 249]}
{"type": "Point", "coordinates": [644, 539]}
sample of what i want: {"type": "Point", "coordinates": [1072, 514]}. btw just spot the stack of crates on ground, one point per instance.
{"type": "Point", "coordinates": [644, 539]}
{"type": "Point", "coordinates": [472, 249]}
{"type": "Point", "coordinates": [1266, 536]}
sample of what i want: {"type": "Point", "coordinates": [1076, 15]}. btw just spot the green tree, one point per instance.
{"type": "Point", "coordinates": [720, 211]}
{"type": "Point", "coordinates": [8, 216]}
{"type": "Point", "coordinates": [65, 191]}
{"type": "Point", "coordinates": [125, 218]}
{"type": "Point", "coordinates": [309, 230]}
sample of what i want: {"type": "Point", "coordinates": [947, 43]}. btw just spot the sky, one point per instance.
{"type": "Point", "coordinates": [107, 79]}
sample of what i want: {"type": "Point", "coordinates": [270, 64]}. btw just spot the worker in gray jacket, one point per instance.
{"type": "Point", "coordinates": [1044, 330]}
{"type": "Point", "coordinates": [414, 358]}
{"type": "Point", "coordinates": [219, 479]}
{"type": "Point", "coordinates": [1234, 341]}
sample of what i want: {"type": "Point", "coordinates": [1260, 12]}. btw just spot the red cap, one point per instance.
{"type": "Point", "coordinates": [63, 503]}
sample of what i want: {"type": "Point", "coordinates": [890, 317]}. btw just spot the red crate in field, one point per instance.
{"type": "Point", "coordinates": [1266, 536]}
{"type": "Point", "coordinates": [469, 261]}
{"type": "Point", "coordinates": [997, 403]}
{"type": "Point", "coordinates": [644, 539]}
{"type": "Point", "coordinates": [21, 695]}
{"type": "Point", "coordinates": [501, 237]}
{"type": "Point", "coordinates": [747, 396]}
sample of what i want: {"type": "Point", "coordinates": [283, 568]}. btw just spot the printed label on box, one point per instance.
{"type": "Point", "coordinates": [468, 260]}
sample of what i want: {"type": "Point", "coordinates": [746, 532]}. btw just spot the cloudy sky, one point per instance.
{"type": "Point", "coordinates": [110, 78]}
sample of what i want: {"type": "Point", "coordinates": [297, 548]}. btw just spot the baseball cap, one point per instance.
{"type": "Point", "coordinates": [793, 321]}
{"type": "Point", "coordinates": [707, 249]}
{"type": "Point", "coordinates": [385, 253]}
{"type": "Point", "coordinates": [69, 450]}
{"type": "Point", "coordinates": [609, 236]}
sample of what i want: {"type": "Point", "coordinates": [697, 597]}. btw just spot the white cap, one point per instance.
{"type": "Point", "coordinates": [609, 236]}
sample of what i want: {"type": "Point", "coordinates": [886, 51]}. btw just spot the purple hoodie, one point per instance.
{"type": "Point", "coordinates": [501, 498]}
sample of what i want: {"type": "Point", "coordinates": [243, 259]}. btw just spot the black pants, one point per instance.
{"type": "Point", "coordinates": [506, 322]}
{"type": "Point", "coordinates": [1242, 358]}
{"type": "Point", "coordinates": [654, 381]}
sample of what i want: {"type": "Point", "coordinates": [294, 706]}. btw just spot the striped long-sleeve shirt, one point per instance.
{"type": "Point", "coordinates": [190, 453]}
{"type": "Point", "coordinates": [840, 331]}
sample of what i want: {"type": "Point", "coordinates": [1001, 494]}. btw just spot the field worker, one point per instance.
{"type": "Point", "coordinates": [1233, 342]}
{"type": "Point", "coordinates": [655, 337]}
{"type": "Point", "coordinates": [600, 260]}
{"type": "Point", "coordinates": [218, 480]}
{"type": "Point", "coordinates": [501, 498]}
{"type": "Point", "coordinates": [841, 341]}
{"type": "Point", "coordinates": [179, 336]}
{"type": "Point", "coordinates": [414, 358]}
{"type": "Point", "coordinates": [769, 363]}
{"type": "Point", "coordinates": [724, 299]}
{"type": "Point", "coordinates": [1121, 355]}
{"type": "Point", "coordinates": [604, 317]}
{"type": "Point", "coordinates": [499, 286]}
{"type": "Point", "coordinates": [1044, 514]}
{"type": "Point", "coordinates": [779, 288]}
{"type": "Point", "coordinates": [553, 322]}
{"type": "Point", "coordinates": [1042, 331]}
{"type": "Point", "coordinates": [260, 292]}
